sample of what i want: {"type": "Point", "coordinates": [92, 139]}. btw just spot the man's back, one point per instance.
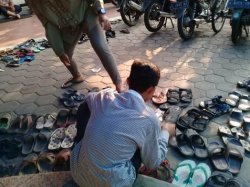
{"type": "Point", "coordinates": [119, 124]}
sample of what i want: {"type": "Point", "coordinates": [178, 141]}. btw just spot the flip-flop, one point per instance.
{"type": "Point", "coordinates": [183, 144]}
{"type": "Point", "coordinates": [16, 124]}
{"type": "Point", "coordinates": [218, 179]}
{"type": "Point", "coordinates": [28, 123]}
{"type": "Point", "coordinates": [56, 139]}
{"type": "Point", "coordinates": [185, 118]}
{"type": "Point", "coordinates": [70, 134]}
{"type": "Point", "coordinates": [41, 142]}
{"type": "Point", "coordinates": [236, 118]}
{"type": "Point", "coordinates": [62, 160]}
{"type": "Point", "coordinates": [198, 144]}
{"type": "Point", "coordinates": [185, 95]}
{"type": "Point", "coordinates": [201, 122]}
{"type": "Point", "coordinates": [217, 155]}
{"type": "Point", "coordinates": [40, 121]}
{"type": "Point", "coordinates": [5, 120]}
{"type": "Point", "coordinates": [70, 83]}
{"type": "Point", "coordinates": [72, 117]}
{"type": "Point", "coordinates": [45, 162]}
{"type": "Point", "coordinates": [210, 102]}
{"type": "Point", "coordinates": [62, 118]}
{"type": "Point", "coordinates": [244, 103]}
{"type": "Point", "coordinates": [199, 175]}
{"type": "Point", "coordinates": [183, 172]}
{"type": "Point", "coordinates": [173, 96]}
{"type": "Point", "coordinates": [28, 165]}
{"type": "Point", "coordinates": [233, 98]}
{"type": "Point", "coordinates": [159, 98]}
{"type": "Point", "coordinates": [173, 114]}
{"type": "Point", "coordinates": [49, 120]}
{"type": "Point", "coordinates": [28, 144]}
{"type": "Point", "coordinates": [235, 155]}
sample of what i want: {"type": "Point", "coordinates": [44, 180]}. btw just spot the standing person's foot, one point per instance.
{"type": "Point", "coordinates": [72, 81]}
{"type": "Point", "coordinates": [18, 16]}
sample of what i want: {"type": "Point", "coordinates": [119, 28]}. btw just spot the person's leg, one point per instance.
{"type": "Point", "coordinates": [136, 161]}
{"type": "Point", "coordinates": [83, 114]}
{"type": "Point", "coordinates": [99, 44]}
{"type": "Point", "coordinates": [4, 11]}
{"type": "Point", "coordinates": [18, 9]}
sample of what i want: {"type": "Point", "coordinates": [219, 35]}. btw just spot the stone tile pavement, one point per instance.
{"type": "Point", "coordinates": [209, 64]}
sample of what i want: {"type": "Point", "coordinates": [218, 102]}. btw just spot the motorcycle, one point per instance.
{"type": "Point", "coordinates": [130, 11]}
{"type": "Point", "coordinates": [202, 11]}
{"type": "Point", "coordinates": [159, 11]}
{"type": "Point", "coordinates": [240, 19]}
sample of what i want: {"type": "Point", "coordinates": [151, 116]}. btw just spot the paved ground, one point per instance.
{"type": "Point", "coordinates": [209, 64]}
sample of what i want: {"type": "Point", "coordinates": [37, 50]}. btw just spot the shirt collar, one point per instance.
{"type": "Point", "coordinates": [135, 93]}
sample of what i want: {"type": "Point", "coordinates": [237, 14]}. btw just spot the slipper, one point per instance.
{"type": "Point", "coordinates": [246, 145]}
{"type": "Point", "coordinates": [28, 165]}
{"type": "Point", "coordinates": [224, 131]}
{"type": "Point", "coordinates": [198, 144]}
{"type": "Point", "coordinates": [236, 118]}
{"type": "Point", "coordinates": [56, 139]}
{"type": "Point", "coordinates": [62, 118]}
{"type": "Point", "coordinates": [125, 31]}
{"type": "Point", "coordinates": [62, 160]}
{"type": "Point", "coordinates": [16, 124]}
{"type": "Point", "coordinates": [41, 142]}
{"type": "Point", "coordinates": [70, 134]}
{"type": "Point", "coordinates": [238, 132]}
{"type": "Point", "coordinates": [183, 172]}
{"type": "Point", "coordinates": [77, 96]}
{"type": "Point", "coordinates": [185, 95]}
{"type": "Point", "coordinates": [199, 175]}
{"type": "Point", "coordinates": [210, 102]}
{"type": "Point", "coordinates": [28, 123]}
{"type": "Point", "coordinates": [5, 119]}
{"type": "Point", "coordinates": [40, 121]}
{"type": "Point", "coordinates": [72, 117]}
{"type": "Point", "coordinates": [70, 102]}
{"type": "Point", "coordinates": [49, 120]}
{"type": "Point", "coordinates": [173, 96]}
{"type": "Point", "coordinates": [28, 144]}
{"type": "Point", "coordinates": [235, 154]}
{"type": "Point", "coordinates": [183, 143]}
{"type": "Point", "coordinates": [243, 84]}
{"type": "Point", "coordinates": [218, 109]}
{"type": "Point", "coordinates": [218, 179]}
{"type": "Point", "coordinates": [201, 122]}
{"type": "Point", "coordinates": [45, 162]}
{"type": "Point", "coordinates": [172, 114]}
{"type": "Point", "coordinates": [244, 103]}
{"type": "Point", "coordinates": [246, 124]}
{"type": "Point", "coordinates": [186, 117]}
{"type": "Point", "coordinates": [159, 98]}
{"type": "Point", "coordinates": [70, 83]}
{"type": "Point", "coordinates": [233, 98]}
{"type": "Point", "coordinates": [217, 156]}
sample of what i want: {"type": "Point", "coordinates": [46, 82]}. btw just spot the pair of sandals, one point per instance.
{"type": "Point", "coordinates": [190, 143]}
{"type": "Point", "coordinates": [244, 84]}
{"type": "Point", "coordinates": [45, 162]}
{"type": "Point", "coordinates": [62, 138]}
{"type": "Point", "coordinates": [22, 124]}
{"type": "Point", "coordinates": [72, 98]}
{"type": "Point", "coordinates": [215, 106]}
{"type": "Point", "coordinates": [45, 121]}
{"type": "Point", "coordinates": [188, 174]}
{"type": "Point", "coordinates": [241, 101]}
{"type": "Point", "coordinates": [194, 118]}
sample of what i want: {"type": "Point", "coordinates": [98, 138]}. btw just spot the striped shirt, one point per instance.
{"type": "Point", "coordinates": [119, 124]}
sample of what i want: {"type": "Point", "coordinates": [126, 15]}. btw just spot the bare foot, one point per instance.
{"type": "Point", "coordinates": [18, 16]}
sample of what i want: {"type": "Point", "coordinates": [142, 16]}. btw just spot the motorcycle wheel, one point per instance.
{"type": "Point", "coordinates": [236, 31]}
{"type": "Point", "coordinates": [129, 15]}
{"type": "Point", "coordinates": [153, 21]}
{"type": "Point", "coordinates": [185, 25]}
{"type": "Point", "coordinates": [218, 13]}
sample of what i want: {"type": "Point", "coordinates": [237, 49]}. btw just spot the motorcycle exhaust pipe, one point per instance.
{"type": "Point", "coordinates": [135, 6]}
{"type": "Point", "coordinates": [165, 14]}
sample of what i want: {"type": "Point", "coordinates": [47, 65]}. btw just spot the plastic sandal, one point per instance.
{"type": "Point", "coordinates": [244, 103]}
{"type": "Point", "coordinates": [28, 165]}
{"type": "Point", "coordinates": [5, 119]}
{"type": "Point", "coordinates": [173, 96]}
{"type": "Point", "coordinates": [159, 99]}
{"type": "Point", "coordinates": [40, 143]}
{"type": "Point", "coordinates": [233, 98]}
{"type": "Point", "coordinates": [183, 144]}
{"type": "Point", "coordinates": [70, 134]}
{"type": "Point", "coordinates": [45, 162]}
{"type": "Point", "coordinates": [236, 118]}
{"type": "Point", "coordinates": [40, 121]}
{"type": "Point", "coordinates": [49, 120]}
{"type": "Point", "coordinates": [56, 139]}
{"type": "Point", "coordinates": [62, 118]}
{"type": "Point", "coordinates": [28, 144]}
{"type": "Point", "coordinates": [185, 95]}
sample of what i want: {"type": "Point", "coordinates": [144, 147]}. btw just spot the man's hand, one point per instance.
{"type": "Point", "coordinates": [65, 59]}
{"type": "Point", "coordinates": [170, 127]}
{"type": "Point", "coordinates": [105, 24]}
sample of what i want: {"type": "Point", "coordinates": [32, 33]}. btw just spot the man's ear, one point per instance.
{"type": "Point", "coordinates": [151, 90]}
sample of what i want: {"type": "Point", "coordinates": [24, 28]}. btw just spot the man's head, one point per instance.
{"type": "Point", "coordinates": [144, 77]}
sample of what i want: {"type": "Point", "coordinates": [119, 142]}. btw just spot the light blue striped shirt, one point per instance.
{"type": "Point", "coordinates": [119, 124]}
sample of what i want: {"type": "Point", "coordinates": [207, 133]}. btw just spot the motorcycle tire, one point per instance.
{"type": "Point", "coordinates": [218, 16]}
{"type": "Point", "coordinates": [185, 25]}
{"type": "Point", "coordinates": [236, 30]}
{"type": "Point", "coordinates": [129, 15]}
{"type": "Point", "coordinates": [151, 14]}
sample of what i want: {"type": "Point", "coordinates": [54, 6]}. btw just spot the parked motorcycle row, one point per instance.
{"type": "Point", "coordinates": [189, 14]}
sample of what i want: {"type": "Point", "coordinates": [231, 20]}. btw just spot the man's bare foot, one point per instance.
{"type": "Point", "coordinates": [72, 81]}
{"type": "Point", "coordinates": [18, 16]}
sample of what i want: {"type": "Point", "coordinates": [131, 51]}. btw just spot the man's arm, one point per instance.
{"type": "Point", "coordinates": [3, 5]}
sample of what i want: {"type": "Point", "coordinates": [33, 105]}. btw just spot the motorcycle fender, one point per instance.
{"type": "Point", "coordinates": [179, 12]}
{"type": "Point", "coordinates": [237, 14]}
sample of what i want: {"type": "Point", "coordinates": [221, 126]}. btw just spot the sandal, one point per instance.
{"type": "Point", "coordinates": [233, 98]}
{"type": "Point", "coordinates": [62, 118]}
{"type": "Point", "coordinates": [243, 84]}
{"type": "Point", "coordinates": [49, 120]}
{"type": "Point", "coordinates": [173, 96]}
{"type": "Point", "coordinates": [28, 144]}
{"type": "Point", "coordinates": [56, 139]}
{"type": "Point", "coordinates": [29, 165]}
{"type": "Point", "coordinates": [244, 103]}
{"type": "Point", "coordinates": [40, 121]}
{"type": "Point", "coordinates": [185, 95]}
{"type": "Point", "coordinates": [236, 118]}
{"type": "Point", "coordinates": [70, 83]}
{"type": "Point", "coordinates": [41, 141]}
{"type": "Point", "coordinates": [5, 119]}
{"type": "Point", "coordinates": [45, 162]}
{"type": "Point", "coordinates": [159, 99]}
{"type": "Point", "coordinates": [70, 134]}
{"type": "Point", "coordinates": [62, 160]}
{"type": "Point", "coordinates": [183, 144]}
{"type": "Point", "coordinates": [218, 179]}
{"type": "Point", "coordinates": [246, 124]}
{"type": "Point", "coordinates": [110, 33]}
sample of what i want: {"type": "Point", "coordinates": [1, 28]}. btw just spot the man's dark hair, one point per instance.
{"type": "Point", "coordinates": [143, 75]}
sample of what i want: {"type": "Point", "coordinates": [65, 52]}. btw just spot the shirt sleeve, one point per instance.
{"type": "Point", "coordinates": [154, 149]}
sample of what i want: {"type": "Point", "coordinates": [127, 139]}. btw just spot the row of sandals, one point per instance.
{"type": "Point", "coordinates": [31, 143]}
